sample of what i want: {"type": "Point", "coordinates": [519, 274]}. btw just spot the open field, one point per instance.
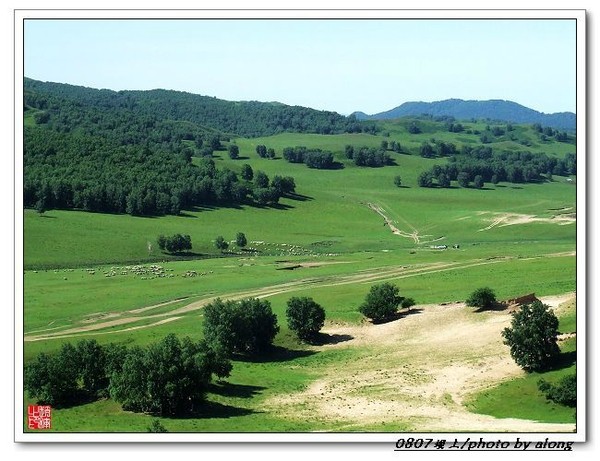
{"type": "Point", "coordinates": [441, 368]}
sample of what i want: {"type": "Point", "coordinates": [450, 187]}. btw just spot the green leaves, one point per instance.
{"type": "Point", "coordinates": [532, 337]}
{"type": "Point", "coordinates": [305, 317]}
{"type": "Point", "coordinates": [381, 303]}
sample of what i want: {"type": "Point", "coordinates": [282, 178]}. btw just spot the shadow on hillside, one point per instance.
{"type": "Point", "coordinates": [275, 354]}
{"type": "Point", "coordinates": [226, 389]}
{"type": "Point", "coordinates": [324, 338]}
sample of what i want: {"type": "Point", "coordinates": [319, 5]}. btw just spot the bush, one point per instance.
{"type": "Point", "coordinates": [305, 317]}
{"type": "Point", "coordinates": [381, 303]}
{"type": "Point", "coordinates": [532, 337]}
{"type": "Point", "coordinates": [564, 393]}
{"type": "Point", "coordinates": [484, 298]}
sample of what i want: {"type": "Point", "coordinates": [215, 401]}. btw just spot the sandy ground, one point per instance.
{"type": "Point", "coordinates": [420, 370]}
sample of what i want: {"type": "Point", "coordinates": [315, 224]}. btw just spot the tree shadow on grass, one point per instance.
{"type": "Point", "coordinates": [564, 360]}
{"type": "Point", "coordinates": [210, 410]}
{"type": "Point", "coordinates": [226, 389]}
{"type": "Point", "coordinates": [298, 197]}
{"type": "Point", "coordinates": [274, 354]}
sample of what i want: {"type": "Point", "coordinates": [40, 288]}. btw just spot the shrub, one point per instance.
{"type": "Point", "coordinates": [484, 298]}
{"type": "Point", "coordinates": [564, 393]}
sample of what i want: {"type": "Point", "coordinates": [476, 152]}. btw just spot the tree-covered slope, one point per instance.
{"type": "Point", "coordinates": [69, 105]}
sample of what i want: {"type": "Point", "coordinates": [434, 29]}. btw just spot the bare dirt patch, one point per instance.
{"type": "Point", "coordinates": [418, 370]}
{"type": "Point", "coordinates": [512, 219]}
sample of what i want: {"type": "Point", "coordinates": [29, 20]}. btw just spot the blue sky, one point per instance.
{"type": "Point", "coordinates": [340, 65]}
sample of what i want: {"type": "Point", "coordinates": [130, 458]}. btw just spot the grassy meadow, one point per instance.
{"type": "Point", "coordinates": [508, 235]}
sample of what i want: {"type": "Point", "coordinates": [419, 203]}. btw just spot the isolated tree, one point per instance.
{"type": "Point", "coordinates": [384, 145]}
{"type": "Point", "coordinates": [381, 303]}
{"type": "Point", "coordinates": [532, 337]}
{"type": "Point", "coordinates": [270, 153]}
{"type": "Point", "coordinates": [305, 317]}
{"type": "Point", "coordinates": [397, 181]}
{"type": "Point", "coordinates": [247, 173]}
{"type": "Point", "coordinates": [234, 151]}
{"type": "Point", "coordinates": [221, 243]}
{"type": "Point", "coordinates": [483, 298]}
{"type": "Point", "coordinates": [240, 240]}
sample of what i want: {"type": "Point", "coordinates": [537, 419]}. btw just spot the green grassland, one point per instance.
{"type": "Point", "coordinates": [331, 230]}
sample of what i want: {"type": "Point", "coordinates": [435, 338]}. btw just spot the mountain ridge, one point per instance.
{"type": "Point", "coordinates": [494, 109]}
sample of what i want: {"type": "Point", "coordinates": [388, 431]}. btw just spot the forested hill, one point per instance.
{"type": "Point", "coordinates": [496, 109]}
{"type": "Point", "coordinates": [69, 106]}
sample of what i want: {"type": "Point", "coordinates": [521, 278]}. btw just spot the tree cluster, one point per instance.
{"type": "Point", "coordinates": [247, 326]}
{"type": "Point", "coordinates": [174, 243]}
{"type": "Point", "coordinates": [482, 164]}
{"type": "Point", "coordinates": [265, 152]}
{"type": "Point", "coordinates": [368, 156]}
{"type": "Point", "coordinates": [169, 377]}
{"type": "Point", "coordinates": [312, 158]}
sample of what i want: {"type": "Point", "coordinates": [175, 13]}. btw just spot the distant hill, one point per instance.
{"type": "Point", "coordinates": [495, 109]}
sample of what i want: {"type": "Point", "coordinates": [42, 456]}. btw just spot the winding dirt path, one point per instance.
{"type": "Point", "coordinates": [109, 320]}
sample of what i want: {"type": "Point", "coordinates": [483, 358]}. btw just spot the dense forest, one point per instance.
{"type": "Point", "coordinates": [169, 116]}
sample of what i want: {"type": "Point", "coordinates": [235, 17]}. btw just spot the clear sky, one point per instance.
{"type": "Point", "coordinates": [339, 65]}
